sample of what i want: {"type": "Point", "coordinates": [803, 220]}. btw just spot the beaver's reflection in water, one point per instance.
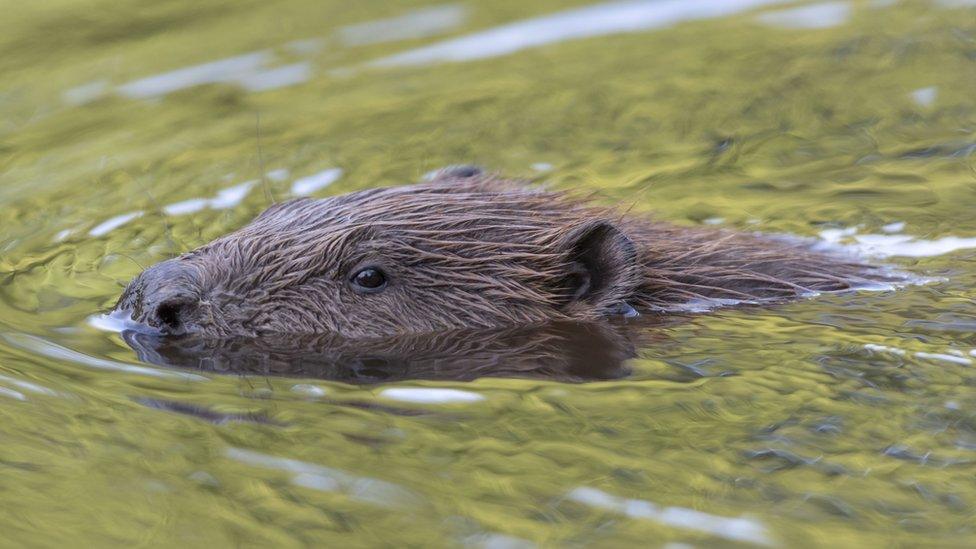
{"type": "Point", "coordinates": [571, 352]}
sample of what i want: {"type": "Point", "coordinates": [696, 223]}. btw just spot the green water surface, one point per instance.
{"type": "Point", "coordinates": [841, 421]}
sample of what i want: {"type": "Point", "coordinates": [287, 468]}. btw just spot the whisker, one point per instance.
{"type": "Point", "coordinates": [168, 229]}
{"type": "Point", "coordinates": [268, 196]}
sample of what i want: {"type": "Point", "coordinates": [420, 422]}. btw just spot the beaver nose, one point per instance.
{"type": "Point", "coordinates": [169, 296]}
{"type": "Point", "coordinates": [172, 313]}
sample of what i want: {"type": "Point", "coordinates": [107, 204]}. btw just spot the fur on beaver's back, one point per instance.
{"type": "Point", "coordinates": [462, 250]}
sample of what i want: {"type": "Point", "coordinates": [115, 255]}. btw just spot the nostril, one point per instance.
{"type": "Point", "coordinates": [171, 314]}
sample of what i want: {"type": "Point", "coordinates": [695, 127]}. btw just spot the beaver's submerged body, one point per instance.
{"type": "Point", "coordinates": [464, 250]}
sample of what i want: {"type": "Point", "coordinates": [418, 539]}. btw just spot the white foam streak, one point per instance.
{"type": "Point", "coordinates": [279, 174]}
{"type": "Point", "coordinates": [491, 540]}
{"type": "Point", "coordinates": [116, 322]}
{"type": "Point", "coordinates": [590, 21]}
{"type": "Point", "coordinates": [226, 198]}
{"type": "Point", "coordinates": [415, 24]}
{"type": "Point", "coordinates": [705, 304]}
{"type": "Point", "coordinates": [814, 16]}
{"type": "Point", "coordinates": [256, 71]}
{"type": "Point", "coordinates": [223, 70]}
{"type": "Point", "coordinates": [113, 223]}
{"type": "Point", "coordinates": [944, 358]}
{"type": "Point", "coordinates": [428, 395]}
{"type": "Point", "coordinates": [27, 386]}
{"type": "Point", "coordinates": [874, 347]}
{"type": "Point", "coordinates": [52, 350]}
{"type": "Point", "coordinates": [305, 46]}
{"type": "Point", "coordinates": [232, 196]}
{"type": "Point", "coordinates": [733, 529]}
{"type": "Point", "coordinates": [925, 97]}
{"type": "Point", "coordinates": [316, 182]}
{"type": "Point", "coordinates": [896, 227]}
{"type": "Point", "coordinates": [895, 245]}
{"type": "Point", "coordinates": [308, 390]}
{"type": "Point", "coordinates": [10, 393]}
{"type": "Point", "coordinates": [192, 205]}
{"type": "Point", "coordinates": [252, 71]}
{"type": "Point", "coordinates": [327, 479]}
{"type": "Point", "coordinates": [953, 356]}
{"type": "Point", "coordinates": [278, 77]}
{"type": "Point", "coordinates": [85, 93]}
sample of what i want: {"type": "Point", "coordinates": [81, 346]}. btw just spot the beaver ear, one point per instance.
{"type": "Point", "coordinates": [604, 267]}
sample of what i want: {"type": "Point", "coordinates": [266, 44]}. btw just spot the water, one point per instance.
{"type": "Point", "coordinates": [129, 133]}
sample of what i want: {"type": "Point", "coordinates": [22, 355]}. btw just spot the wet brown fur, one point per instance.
{"type": "Point", "coordinates": [467, 252]}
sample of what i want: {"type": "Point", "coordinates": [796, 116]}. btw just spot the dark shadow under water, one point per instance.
{"type": "Point", "coordinates": [570, 352]}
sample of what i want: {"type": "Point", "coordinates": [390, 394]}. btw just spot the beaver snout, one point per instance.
{"type": "Point", "coordinates": [166, 297]}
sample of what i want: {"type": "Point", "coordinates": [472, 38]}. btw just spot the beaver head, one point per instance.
{"type": "Point", "coordinates": [463, 250]}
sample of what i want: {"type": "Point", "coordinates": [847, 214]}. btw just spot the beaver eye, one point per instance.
{"type": "Point", "coordinates": [369, 279]}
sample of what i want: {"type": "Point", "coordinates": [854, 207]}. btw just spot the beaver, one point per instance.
{"type": "Point", "coordinates": [465, 249]}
